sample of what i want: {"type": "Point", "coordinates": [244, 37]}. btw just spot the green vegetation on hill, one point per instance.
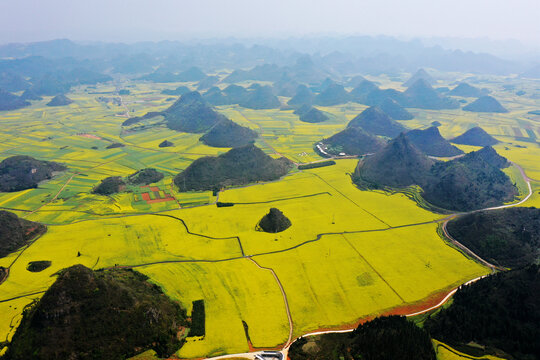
{"type": "Point", "coordinates": [471, 182]}
{"type": "Point", "coordinates": [303, 96]}
{"type": "Point", "coordinates": [420, 74]}
{"type": "Point", "coordinates": [333, 94]}
{"type": "Point", "coordinates": [500, 312]}
{"type": "Point", "coordinates": [21, 172]}
{"type": "Point", "coordinates": [275, 221]}
{"type": "Point", "coordinates": [191, 74]}
{"type": "Point", "coordinates": [399, 164]}
{"type": "Point", "coordinates": [476, 137]}
{"type": "Point", "coordinates": [39, 265]}
{"type": "Point", "coordinates": [192, 114]}
{"type": "Point", "coordinates": [352, 141]}
{"type": "Point", "coordinates": [384, 338]}
{"type": "Point", "coordinates": [9, 101]}
{"type": "Point", "coordinates": [106, 314]}
{"type": "Point", "coordinates": [507, 237]}
{"type": "Point", "coordinates": [421, 95]}
{"type": "Point", "coordinates": [145, 177]}
{"type": "Point", "coordinates": [207, 82]}
{"type": "Point", "coordinates": [16, 232]}
{"type": "Point", "coordinates": [260, 98]}
{"type": "Point", "coordinates": [13, 82]}
{"type": "Point", "coordinates": [181, 90]}
{"type": "Point", "coordinates": [466, 90]}
{"type": "Point", "coordinates": [394, 110]}
{"type": "Point", "coordinates": [235, 93]}
{"type": "Point", "coordinates": [30, 94]}
{"type": "Point", "coordinates": [227, 133]}
{"type": "Point", "coordinates": [313, 115]}
{"type": "Point", "coordinates": [110, 185]}
{"type": "Point", "coordinates": [375, 121]}
{"type": "Point", "coordinates": [216, 97]}
{"type": "Point", "coordinates": [165, 143]}
{"type": "Point", "coordinates": [432, 143]}
{"type": "Point", "coordinates": [238, 166]}
{"type": "Point", "coordinates": [485, 104]}
{"type": "Point", "coordinates": [361, 91]}
{"type": "Point", "coordinates": [60, 100]}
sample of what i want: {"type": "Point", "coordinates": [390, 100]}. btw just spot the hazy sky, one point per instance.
{"type": "Point", "coordinates": [133, 20]}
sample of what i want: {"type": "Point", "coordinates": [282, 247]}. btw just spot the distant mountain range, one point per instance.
{"type": "Point", "coordinates": [345, 55]}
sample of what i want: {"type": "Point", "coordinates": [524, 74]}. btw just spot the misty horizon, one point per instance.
{"type": "Point", "coordinates": [134, 21]}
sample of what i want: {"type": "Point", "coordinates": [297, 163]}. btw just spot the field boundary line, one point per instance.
{"type": "Point", "coordinates": [285, 300]}
{"type": "Point", "coordinates": [372, 268]}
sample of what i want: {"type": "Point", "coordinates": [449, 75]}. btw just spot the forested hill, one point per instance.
{"type": "Point", "coordinates": [501, 312]}
{"type": "Point", "coordinates": [238, 166]}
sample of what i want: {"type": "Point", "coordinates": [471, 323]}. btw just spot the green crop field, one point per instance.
{"type": "Point", "coordinates": [349, 254]}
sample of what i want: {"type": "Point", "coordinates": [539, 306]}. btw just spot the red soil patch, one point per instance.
{"type": "Point", "coordinates": [160, 200]}
{"type": "Point", "coordinates": [154, 188]}
{"type": "Point", "coordinates": [90, 136]}
{"type": "Point", "coordinates": [146, 197]}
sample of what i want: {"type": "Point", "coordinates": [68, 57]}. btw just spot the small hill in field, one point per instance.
{"type": "Point", "coordinates": [275, 221]}
{"type": "Point", "coordinates": [15, 232]}
{"type": "Point", "coordinates": [165, 143]}
{"type": "Point", "coordinates": [227, 133]}
{"type": "Point", "coordinates": [235, 93]}
{"type": "Point", "coordinates": [86, 314]}
{"type": "Point", "coordinates": [30, 94]}
{"type": "Point", "coordinates": [432, 143]}
{"type": "Point", "coordinates": [191, 74]}
{"type": "Point", "coordinates": [375, 121]}
{"type": "Point", "coordinates": [313, 115]}
{"type": "Point", "coordinates": [399, 164]}
{"type": "Point", "coordinates": [421, 95]}
{"type": "Point", "coordinates": [207, 82]}
{"type": "Point", "coordinates": [355, 81]}
{"type": "Point", "coordinates": [9, 101]}
{"type": "Point", "coordinates": [13, 82]}
{"type": "Point", "coordinates": [21, 172]}
{"type": "Point", "coordinates": [238, 166]}
{"type": "Point", "coordinates": [506, 237]}
{"type": "Point", "coordinates": [499, 315]}
{"type": "Point", "coordinates": [145, 177]}
{"type": "Point", "coordinates": [181, 90]}
{"type": "Point", "coordinates": [333, 94]}
{"type": "Point", "coordinates": [60, 100]}
{"type": "Point", "coordinates": [286, 86]}
{"type": "Point", "coordinates": [215, 97]}
{"type": "Point", "coordinates": [476, 137]}
{"type": "Point", "coordinates": [191, 114]}
{"type": "Point", "coordinates": [303, 96]}
{"type": "Point", "coordinates": [110, 185]}
{"type": "Point", "coordinates": [466, 90]}
{"type": "Point", "coordinates": [360, 92]}
{"type": "Point", "coordinates": [262, 97]}
{"type": "Point", "coordinates": [485, 104]}
{"type": "Point", "coordinates": [394, 110]}
{"type": "Point", "coordinates": [352, 141]}
{"type": "Point", "coordinates": [421, 74]}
